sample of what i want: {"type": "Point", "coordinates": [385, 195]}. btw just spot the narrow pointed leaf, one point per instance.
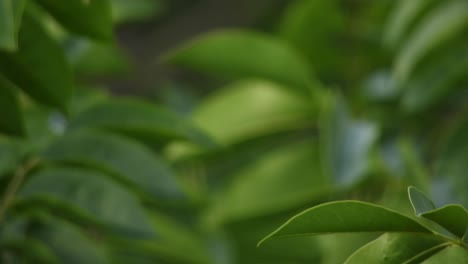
{"type": "Point", "coordinates": [38, 66]}
{"type": "Point", "coordinates": [452, 217]}
{"type": "Point", "coordinates": [127, 159]}
{"type": "Point", "coordinates": [94, 194]}
{"type": "Point", "coordinates": [11, 119]}
{"type": "Point", "coordinates": [347, 217]}
{"type": "Point", "coordinates": [398, 248]}
{"type": "Point", "coordinates": [93, 19]}
{"type": "Point", "coordinates": [244, 54]}
{"type": "Point", "coordinates": [420, 202]}
{"type": "Point", "coordinates": [451, 254]}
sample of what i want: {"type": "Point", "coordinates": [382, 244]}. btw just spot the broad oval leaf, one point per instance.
{"type": "Point", "coordinates": [347, 217]}
{"type": "Point", "coordinates": [38, 66]}
{"type": "Point", "coordinates": [451, 254]}
{"type": "Point", "coordinates": [420, 202]}
{"type": "Point", "coordinates": [129, 160]}
{"type": "Point", "coordinates": [11, 118]}
{"type": "Point", "coordinates": [141, 120]}
{"type": "Point", "coordinates": [398, 248]}
{"type": "Point", "coordinates": [244, 54]}
{"type": "Point", "coordinates": [94, 194]}
{"type": "Point", "coordinates": [91, 18]}
{"type": "Point", "coordinates": [452, 217]}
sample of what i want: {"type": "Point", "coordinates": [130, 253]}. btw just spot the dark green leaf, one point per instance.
{"type": "Point", "coordinates": [29, 249]}
{"type": "Point", "coordinates": [346, 217]}
{"type": "Point", "coordinates": [420, 202]}
{"type": "Point", "coordinates": [38, 66]}
{"type": "Point", "coordinates": [7, 26]}
{"type": "Point", "coordinates": [129, 160]}
{"type": "Point", "coordinates": [11, 119]}
{"type": "Point", "coordinates": [93, 193]}
{"type": "Point", "coordinates": [452, 217]}
{"type": "Point", "coordinates": [398, 248]}
{"type": "Point", "coordinates": [142, 120]}
{"type": "Point", "coordinates": [93, 19]}
{"type": "Point", "coordinates": [241, 54]}
{"type": "Point", "coordinates": [451, 254]}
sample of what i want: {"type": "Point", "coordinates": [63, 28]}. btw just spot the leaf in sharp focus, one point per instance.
{"type": "Point", "coordinates": [129, 160]}
{"type": "Point", "coordinates": [144, 121]}
{"type": "Point", "coordinates": [347, 217]}
{"type": "Point", "coordinates": [436, 27]}
{"type": "Point", "coordinates": [93, 19]}
{"type": "Point", "coordinates": [451, 254]}
{"type": "Point", "coordinates": [346, 143]}
{"type": "Point", "coordinates": [398, 248]}
{"type": "Point", "coordinates": [452, 217]}
{"type": "Point", "coordinates": [250, 108]}
{"type": "Point", "coordinates": [94, 194]}
{"type": "Point", "coordinates": [7, 26]}
{"type": "Point", "coordinates": [11, 118]}
{"type": "Point", "coordinates": [69, 243]}
{"type": "Point", "coordinates": [420, 202]}
{"type": "Point", "coordinates": [244, 54]}
{"type": "Point", "coordinates": [39, 66]}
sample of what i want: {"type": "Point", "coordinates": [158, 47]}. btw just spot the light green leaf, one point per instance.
{"type": "Point", "coordinates": [93, 19]}
{"type": "Point", "coordinates": [250, 108]}
{"type": "Point", "coordinates": [346, 143]}
{"type": "Point", "coordinates": [139, 119]}
{"type": "Point", "coordinates": [452, 217]}
{"type": "Point", "coordinates": [38, 66]}
{"type": "Point", "coordinates": [420, 202]}
{"type": "Point", "coordinates": [129, 160]}
{"type": "Point", "coordinates": [7, 26]}
{"type": "Point", "coordinates": [283, 179]}
{"type": "Point", "coordinates": [398, 248]}
{"type": "Point", "coordinates": [451, 254]}
{"type": "Point", "coordinates": [92, 193]}
{"type": "Point", "coordinates": [11, 119]}
{"type": "Point", "coordinates": [437, 27]}
{"type": "Point", "coordinates": [244, 54]}
{"type": "Point", "coordinates": [347, 217]}
{"type": "Point", "coordinates": [125, 11]}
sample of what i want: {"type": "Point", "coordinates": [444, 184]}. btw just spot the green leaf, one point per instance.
{"type": "Point", "coordinates": [141, 120]}
{"type": "Point", "coordinates": [39, 66]}
{"type": "Point", "coordinates": [346, 217]}
{"type": "Point", "coordinates": [92, 193]}
{"type": "Point", "coordinates": [451, 254]}
{"type": "Point", "coordinates": [124, 11]}
{"type": "Point", "coordinates": [7, 26]}
{"type": "Point", "coordinates": [129, 160]}
{"type": "Point", "coordinates": [452, 217]}
{"type": "Point", "coordinates": [284, 179]}
{"type": "Point", "coordinates": [398, 248]}
{"type": "Point", "coordinates": [29, 249]}
{"type": "Point", "coordinates": [244, 54]}
{"type": "Point", "coordinates": [346, 143]}
{"type": "Point", "coordinates": [11, 119]}
{"type": "Point", "coordinates": [93, 19]}
{"type": "Point", "coordinates": [437, 27]}
{"type": "Point", "coordinates": [265, 108]}
{"type": "Point", "coordinates": [420, 202]}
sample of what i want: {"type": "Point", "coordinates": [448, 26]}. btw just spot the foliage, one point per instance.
{"type": "Point", "coordinates": [337, 100]}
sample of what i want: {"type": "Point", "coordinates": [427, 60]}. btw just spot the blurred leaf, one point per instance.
{"type": "Point", "coordinates": [347, 216]}
{"type": "Point", "coordinates": [437, 27]}
{"type": "Point", "coordinates": [145, 121]}
{"type": "Point", "coordinates": [250, 108]}
{"type": "Point", "coordinates": [452, 217]}
{"type": "Point", "coordinates": [11, 119]}
{"type": "Point", "coordinates": [38, 66]}
{"type": "Point", "coordinates": [93, 19]}
{"type": "Point", "coordinates": [28, 249]}
{"type": "Point", "coordinates": [420, 202]}
{"type": "Point", "coordinates": [69, 243]}
{"type": "Point", "coordinates": [7, 26]}
{"type": "Point", "coordinates": [451, 254]}
{"type": "Point", "coordinates": [11, 153]}
{"type": "Point", "coordinates": [244, 54]}
{"type": "Point", "coordinates": [125, 11]}
{"type": "Point", "coordinates": [346, 143]}
{"type": "Point", "coordinates": [283, 179]}
{"type": "Point", "coordinates": [92, 193]}
{"type": "Point", "coordinates": [398, 248]}
{"type": "Point", "coordinates": [131, 161]}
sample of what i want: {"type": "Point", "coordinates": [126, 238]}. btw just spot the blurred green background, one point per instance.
{"type": "Point", "coordinates": [157, 131]}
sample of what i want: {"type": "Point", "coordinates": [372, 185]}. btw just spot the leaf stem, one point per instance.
{"type": "Point", "coordinates": [14, 185]}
